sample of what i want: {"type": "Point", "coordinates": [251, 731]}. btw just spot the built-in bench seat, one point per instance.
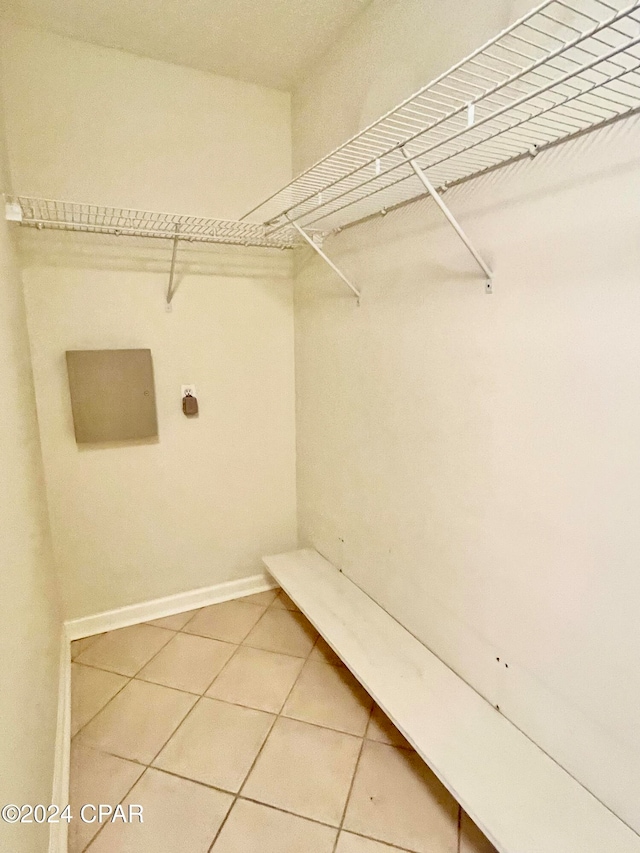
{"type": "Point", "coordinates": [520, 798]}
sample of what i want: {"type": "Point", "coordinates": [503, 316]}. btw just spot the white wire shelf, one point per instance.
{"type": "Point", "coordinates": [566, 67]}
{"type": "Point", "coordinates": [98, 219]}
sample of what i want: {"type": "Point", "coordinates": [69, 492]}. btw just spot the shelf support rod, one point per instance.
{"type": "Point", "coordinates": [486, 269]}
{"type": "Point", "coordinates": [324, 257]}
{"type": "Point", "coordinates": [171, 290]}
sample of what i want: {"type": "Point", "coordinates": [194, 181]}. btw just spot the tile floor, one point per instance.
{"type": "Point", "coordinates": [239, 731]}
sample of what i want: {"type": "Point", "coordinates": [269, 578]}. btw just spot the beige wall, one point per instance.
{"type": "Point", "coordinates": [394, 48]}
{"type": "Point", "coordinates": [86, 123]}
{"type": "Point", "coordinates": [30, 629]}
{"type": "Point", "coordinates": [200, 506]}
{"type": "Point", "coordinates": [472, 461]}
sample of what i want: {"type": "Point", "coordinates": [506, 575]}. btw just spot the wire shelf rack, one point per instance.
{"type": "Point", "coordinates": [566, 67]}
{"type": "Point", "coordinates": [99, 219]}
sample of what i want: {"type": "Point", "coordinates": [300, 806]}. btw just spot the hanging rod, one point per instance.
{"type": "Point", "coordinates": [120, 221]}
{"type": "Point", "coordinates": [566, 67]}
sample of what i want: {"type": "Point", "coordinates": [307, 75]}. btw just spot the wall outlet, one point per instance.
{"type": "Point", "coordinates": [189, 390]}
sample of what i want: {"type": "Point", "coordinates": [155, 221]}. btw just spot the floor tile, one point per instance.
{"type": "Point", "coordinates": [382, 730]}
{"type": "Point", "coordinates": [349, 843]}
{"type": "Point", "coordinates": [396, 798]}
{"type": "Point", "coordinates": [230, 621]}
{"type": "Point", "coordinates": [91, 689]}
{"type": "Point", "coordinates": [175, 622]}
{"type": "Point", "coordinates": [305, 769]}
{"type": "Point", "coordinates": [283, 631]}
{"type": "Point", "coordinates": [262, 598]}
{"type": "Point", "coordinates": [471, 839]}
{"type": "Point", "coordinates": [257, 679]}
{"type": "Point", "coordinates": [179, 817]}
{"type": "Point", "coordinates": [78, 646]}
{"type": "Point", "coordinates": [323, 652]}
{"type": "Point", "coordinates": [329, 696]}
{"type": "Point", "coordinates": [252, 828]}
{"type": "Point", "coordinates": [95, 778]}
{"type": "Point", "coordinates": [127, 650]}
{"type": "Point", "coordinates": [188, 663]}
{"type": "Point", "coordinates": [217, 744]}
{"type": "Point", "coordinates": [283, 602]}
{"type": "Point", "coordinates": [138, 721]}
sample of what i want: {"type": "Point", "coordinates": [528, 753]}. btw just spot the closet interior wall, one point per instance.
{"type": "Point", "coordinates": [30, 623]}
{"type": "Point", "coordinates": [471, 460]}
{"type": "Point", "coordinates": [199, 506]}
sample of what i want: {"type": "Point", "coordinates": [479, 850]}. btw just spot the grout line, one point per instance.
{"type": "Point", "coordinates": [105, 751]}
{"type": "Point", "coordinates": [129, 678]}
{"type": "Point", "coordinates": [167, 686]}
{"type": "Point", "coordinates": [102, 669]}
{"type": "Point", "coordinates": [276, 716]}
{"type": "Point", "coordinates": [237, 797]}
{"type": "Point", "coordinates": [206, 637]}
{"type": "Point", "coordinates": [194, 613]}
{"type": "Point", "coordinates": [179, 726]}
{"type": "Point", "coordinates": [140, 668]}
{"type": "Point", "coordinates": [218, 640]}
{"type": "Point", "coordinates": [84, 725]}
{"type": "Point", "coordinates": [138, 676]}
{"type": "Point", "coordinates": [127, 682]}
{"type": "Point", "coordinates": [207, 785]}
{"type": "Point", "coordinates": [324, 823]}
{"type": "Point", "coordinates": [93, 639]}
{"type": "Point", "coordinates": [215, 678]}
{"type": "Point", "coordinates": [388, 844]}
{"type": "Point", "coordinates": [199, 700]}
{"type": "Point", "coordinates": [353, 779]}
{"type": "Point", "coordinates": [203, 695]}
{"type": "Point", "coordinates": [121, 800]}
{"type": "Point", "coordinates": [260, 649]}
{"type": "Point", "coordinates": [240, 642]}
{"type": "Point", "coordinates": [288, 812]}
{"type": "Point", "coordinates": [485, 699]}
{"type": "Point", "coordinates": [161, 649]}
{"type": "Point", "coordinates": [259, 753]}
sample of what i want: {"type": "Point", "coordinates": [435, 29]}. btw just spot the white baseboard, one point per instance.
{"type": "Point", "coordinates": [60, 793]}
{"type": "Point", "coordinates": [110, 620]}
{"type": "Point", "coordinates": [133, 614]}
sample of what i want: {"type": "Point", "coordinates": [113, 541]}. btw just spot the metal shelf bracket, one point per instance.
{"type": "Point", "coordinates": [316, 248]}
{"type": "Point", "coordinates": [566, 67]}
{"type": "Point", "coordinates": [486, 269]}
{"type": "Point", "coordinates": [171, 289]}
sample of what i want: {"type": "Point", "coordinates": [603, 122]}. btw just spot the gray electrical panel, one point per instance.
{"type": "Point", "coordinates": [112, 395]}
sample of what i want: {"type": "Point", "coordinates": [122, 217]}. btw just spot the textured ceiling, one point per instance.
{"type": "Point", "coordinates": [269, 42]}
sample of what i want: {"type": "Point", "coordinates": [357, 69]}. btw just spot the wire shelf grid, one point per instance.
{"type": "Point", "coordinates": [566, 67]}
{"type": "Point", "coordinates": [100, 219]}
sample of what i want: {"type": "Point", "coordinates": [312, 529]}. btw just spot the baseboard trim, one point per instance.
{"type": "Point", "coordinates": [62, 756]}
{"type": "Point", "coordinates": [110, 620]}
{"type": "Point", "coordinates": [133, 614]}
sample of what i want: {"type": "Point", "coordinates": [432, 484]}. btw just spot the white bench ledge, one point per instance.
{"type": "Point", "coordinates": [519, 797]}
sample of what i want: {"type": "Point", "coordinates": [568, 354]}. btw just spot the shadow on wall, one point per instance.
{"type": "Point", "coordinates": [553, 171]}
{"type": "Point", "coordinates": [402, 241]}
{"type": "Point", "coordinates": [146, 254]}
